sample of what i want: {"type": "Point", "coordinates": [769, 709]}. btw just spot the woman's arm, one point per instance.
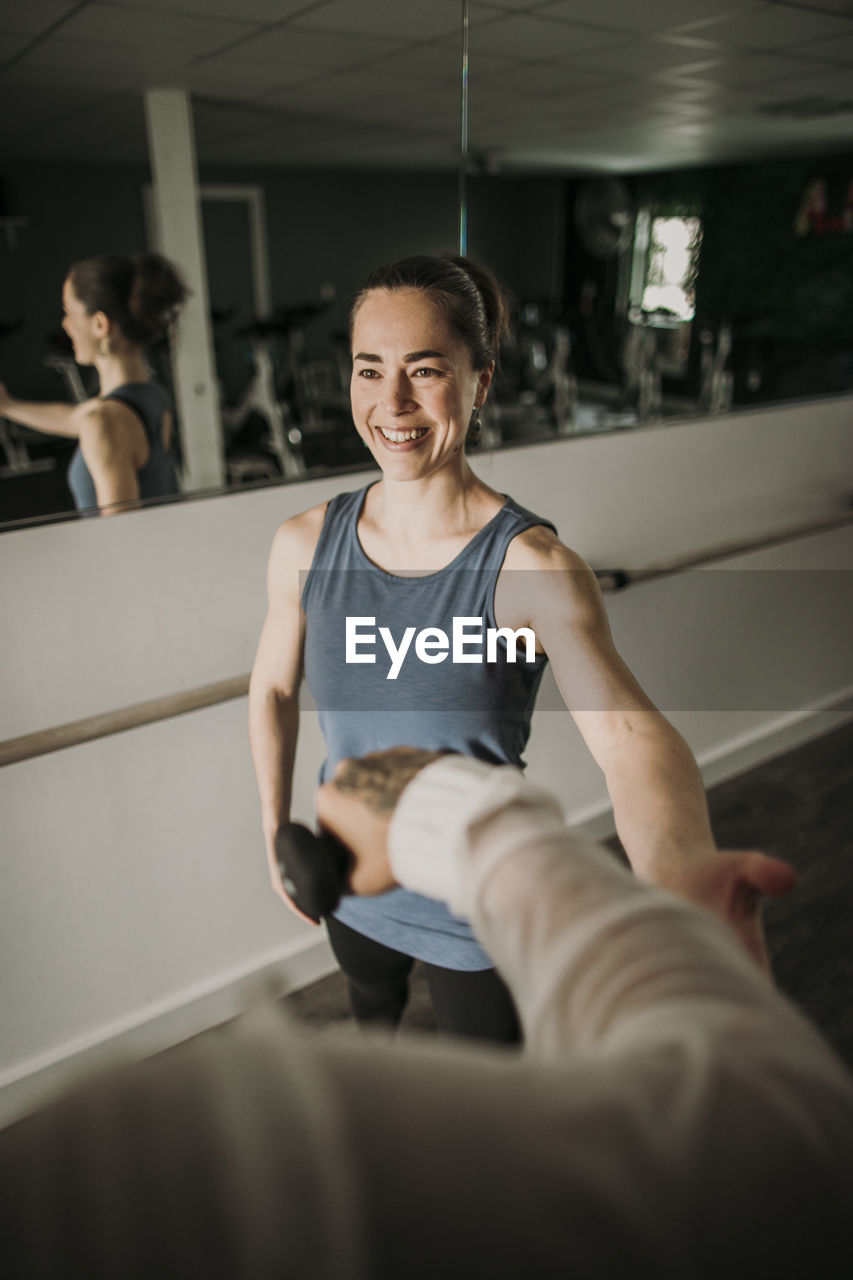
{"type": "Point", "coordinates": [276, 676]}
{"type": "Point", "coordinates": [55, 419]}
{"type": "Point", "coordinates": [652, 778]}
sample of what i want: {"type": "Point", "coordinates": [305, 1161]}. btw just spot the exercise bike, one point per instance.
{"type": "Point", "coordinates": [303, 403]}
{"type": "Point", "coordinates": [538, 392]}
{"type": "Point", "coordinates": [274, 392]}
{"type": "Point", "coordinates": [13, 438]}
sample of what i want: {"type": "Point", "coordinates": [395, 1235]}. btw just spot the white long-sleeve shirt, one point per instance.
{"type": "Point", "coordinates": [672, 1115]}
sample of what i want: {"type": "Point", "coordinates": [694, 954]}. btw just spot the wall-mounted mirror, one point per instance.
{"type": "Point", "coordinates": [665, 188]}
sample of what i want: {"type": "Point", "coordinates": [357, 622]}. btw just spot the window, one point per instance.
{"type": "Point", "coordinates": [671, 262]}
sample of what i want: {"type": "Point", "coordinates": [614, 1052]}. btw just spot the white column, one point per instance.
{"type": "Point", "coordinates": [171, 145]}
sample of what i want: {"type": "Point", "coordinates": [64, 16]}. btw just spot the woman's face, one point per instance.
{"type": "Point", "coordinates": [414, 387]}
{"type": "Point", "coordinates": [79, 326]}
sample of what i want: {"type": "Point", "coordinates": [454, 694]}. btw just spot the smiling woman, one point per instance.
{"type": "Point", "coordinates": [423, 545]}
{"type": "Point", "coordinates": [426, 548]}
{"type": "Point", "coordinates": [461, 330]}
{"type": "Point", "coordinates": [113, 308]}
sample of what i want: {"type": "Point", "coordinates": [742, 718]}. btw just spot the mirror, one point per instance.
{"type": "Point", "coordinates": [592, 154]}
{"type": "Point", "coordinates": [695, 207]}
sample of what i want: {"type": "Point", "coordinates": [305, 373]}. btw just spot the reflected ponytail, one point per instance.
{"type": "Point", "coordinates": [142, 294]}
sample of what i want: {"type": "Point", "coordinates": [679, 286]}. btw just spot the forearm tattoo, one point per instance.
{"type": "Point", "coordinates": [378, 779]}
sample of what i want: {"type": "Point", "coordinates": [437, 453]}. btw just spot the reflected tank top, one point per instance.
{"type": "Point", "coordinates": [391, 661]}
{"type": "Point", "coordinates": [158, 478]}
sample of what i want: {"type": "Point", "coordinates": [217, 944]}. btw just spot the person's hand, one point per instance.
{"type": "Point", "coordinates": [733, 883]}
{"type": "Point", "coordinates": [357, 807]}
{"type": "Point", "coordinates": [278, 887]}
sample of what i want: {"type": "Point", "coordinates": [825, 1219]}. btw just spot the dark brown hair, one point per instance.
{"type": "Point", "coordinates": [467, 293]}
{"type": "Point", "coordinates": [142, 294]}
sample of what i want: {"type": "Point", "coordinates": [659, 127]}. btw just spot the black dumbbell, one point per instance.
{"type": "Point", "coordinates": [313, 868]}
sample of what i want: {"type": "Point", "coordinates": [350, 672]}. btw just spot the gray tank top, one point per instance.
{"type": "Point", "coordinates": [409, 694]}
{"type": "Point", "coordinates": [158, 478]}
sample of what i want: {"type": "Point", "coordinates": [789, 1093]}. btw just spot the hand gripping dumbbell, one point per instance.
{"type": "Point", "coordinates": [313, 868]}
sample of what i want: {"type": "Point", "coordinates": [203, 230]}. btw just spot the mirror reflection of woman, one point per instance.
{"type": "Point", "coordinates": [426, 543]}
{"type": "Point", "coordinates": [114, 308]}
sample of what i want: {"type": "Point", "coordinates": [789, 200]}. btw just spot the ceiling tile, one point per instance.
{"type": "Point", "coordinates": [387, 18]}
{"type": "Point", "coordinates": [34, 16]}
{"type": "Point", "coordinates": [120, 28]}
{"type": "Point", "coordinates": [532, 37]}
{"type": "Point", "coordinates": [828, 82]}
{"type": "Point", "coordinates": [751, 72]}
{"type": "Point", "coordinates": [230, 77]}
{"type": "Point", "coordinates": [648, 16]}
{"type": "Point", "coordinates": [11, 46]}
{"type": "Point", "coordinates": [331, 94]}
{"type": "Point", "coordinates": [532, 80]}
{"type": "Point", "coordinates": [312, 48]}
{"type": "Point", "coordinates": [443, 62]}
{"type": "Point", "coordinates": [408, 111]}
{"type": "Point", "coordinates": [255, 11]}
{"type": "Point", "coordinates": [716, 24]}
{"type": "Point", "coordinates": [683, 108]}
{"type": "Point", "coordinates": [838, 50]}
{"type": "Point", "coordinates": [843, 7]}
{"type": "Point", "coordinates": [515, 6]}
{"type": "Point", "coordinates": [56, 63]}
{"type": "Point", "coordinates": [773, 26]}
{"type": "Point", "coordinates": [650, 57]}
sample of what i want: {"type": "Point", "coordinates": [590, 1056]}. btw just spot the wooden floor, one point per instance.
{"type": "Point", "coordinates": [798, 806]}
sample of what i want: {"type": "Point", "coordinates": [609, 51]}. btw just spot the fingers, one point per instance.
{"type": "Point", "coordinates": [733, 884]}
{"type": "Point", "coordinates": [364, 832]}
{"type": "Point", "coordinates": [747, 875]}
{"type": "Point", "coordinates": [279, 891]}
{"type": "Point", "coordinates": [291, 905]}
{"type": "Point", "coordinates": [770, 877]}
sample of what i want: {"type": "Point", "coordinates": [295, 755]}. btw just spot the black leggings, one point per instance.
{"type": "Point", "coordinates": [476, 1004]}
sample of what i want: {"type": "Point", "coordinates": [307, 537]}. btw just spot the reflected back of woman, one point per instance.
{"type": "Point", "coordinates": [114, 309]}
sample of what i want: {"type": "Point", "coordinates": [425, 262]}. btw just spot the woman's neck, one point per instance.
{"type": "Point", "coordinates": [439, 506]}
{"type": "Point", "coordinates": [119, 368]}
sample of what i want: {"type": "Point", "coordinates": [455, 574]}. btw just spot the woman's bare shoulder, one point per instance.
{"type": "Point", "coordinates": [539, 548]}
{"type": "Point", "coordinates": [292, 552]}
{"type": "Point", "coordinates": [108, 430]}
{"type": "Point", "coordinates": [298, 535]}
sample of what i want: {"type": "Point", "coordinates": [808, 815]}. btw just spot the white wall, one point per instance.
{"type": "Point", "coordinates": [135, 907]}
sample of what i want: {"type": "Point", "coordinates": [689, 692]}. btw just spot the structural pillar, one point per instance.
{"type": "Point", "coordinates": [177, 213]}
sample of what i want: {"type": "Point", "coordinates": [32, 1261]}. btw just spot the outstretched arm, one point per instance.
{"type": "Point", "coordinates": [654, 783]}
{"type": "Point", "coordinates": [55, 419]}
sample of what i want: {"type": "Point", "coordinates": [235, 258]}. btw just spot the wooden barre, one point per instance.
{"type": "Point", "coordinates": [135, 716]}
{"type": "Point", "coordinates": [619, 579]}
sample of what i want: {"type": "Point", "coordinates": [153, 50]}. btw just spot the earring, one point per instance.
{"type": "Point", "coordinates": [103, 347]}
